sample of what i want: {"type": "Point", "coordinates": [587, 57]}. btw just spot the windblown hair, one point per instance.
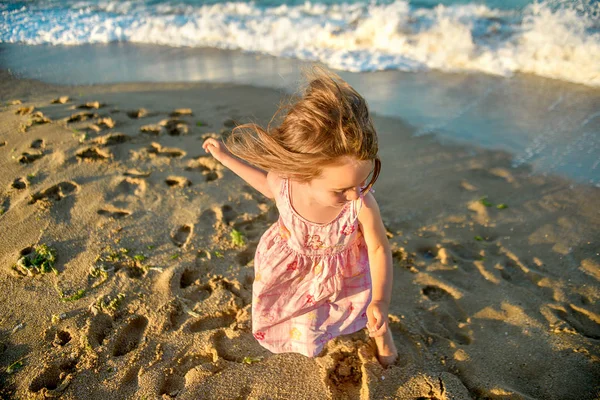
{"type": "Point", "coordinates": [330, 120]}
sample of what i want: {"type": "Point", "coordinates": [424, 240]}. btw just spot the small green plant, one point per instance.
{"type": "Point", "coordinates": [139, 257]}
{"type": "Point", "coordinates": [150, 246]}
{"type": "Point", "coordinates": [99, 271]}
{"type": "Point", "coordinates": [14, 367]}
{"type": "Point", "coordinates": [200, 123]}
{"type": "Point", "coordinates": [218, 254]}
{"type": "Point", "coordinates": [109, 304]}
{"type": "Point", "coordinates": [2, 210]}
{"type": "Point", "coordinates": [250, 360]}
{"type": "Point", "coordinates": [478, 238]}
{"type": "Point", "coordinates": [174, 256]}
{"type": "Point", "coordinates": [237, 238]}
{"type": "Point", "coordinates": [39, 261]}
{"type": "Point", "coordinates": [76, 296]}
{"type": "Point", "coordinates": [501, 206]}
{"type": "Point", "coordinates": [485, 201]}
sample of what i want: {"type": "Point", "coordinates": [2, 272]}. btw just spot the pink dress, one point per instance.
{"type": "Point", "coordinates": [312, 281]}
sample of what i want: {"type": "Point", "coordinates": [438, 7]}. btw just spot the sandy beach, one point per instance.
{"type": "Point", "coordinates": [496, 270]}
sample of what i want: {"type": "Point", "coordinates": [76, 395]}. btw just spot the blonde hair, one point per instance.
{"type": "Point", "coordinates": [330, 120]}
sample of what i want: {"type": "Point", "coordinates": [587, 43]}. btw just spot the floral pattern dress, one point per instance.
{"type": "Point", "coordinates": [312, 281]}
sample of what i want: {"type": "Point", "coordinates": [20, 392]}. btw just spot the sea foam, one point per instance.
{"type": "Point", "coordinates": [555, 42]}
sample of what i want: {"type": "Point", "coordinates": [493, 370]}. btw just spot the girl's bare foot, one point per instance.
{"type": "Point", "coordinates": [387, 354]}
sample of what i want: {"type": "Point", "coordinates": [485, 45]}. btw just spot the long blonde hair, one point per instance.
{"type": "Point", "coordinates": [330, 120]}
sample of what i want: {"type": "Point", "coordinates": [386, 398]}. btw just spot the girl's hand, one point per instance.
{"type": "Point", "coordinates": [377, 316]}
{"type": "Point", "coordinates": [216, 148]}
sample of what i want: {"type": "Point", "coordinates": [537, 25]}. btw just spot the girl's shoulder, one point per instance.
{"type": "Point", "coordinates": [368, 207]}
{"type": "Point", "coordinates": [274, 182]}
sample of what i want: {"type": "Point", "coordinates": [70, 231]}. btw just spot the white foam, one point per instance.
{"type": "Point", "coordinates": [558, 43]}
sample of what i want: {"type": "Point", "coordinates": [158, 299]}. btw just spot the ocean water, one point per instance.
{"type": "Point", "coordinates": [517, 75]}
{"type": "Point", "coordinates": [554, 39]}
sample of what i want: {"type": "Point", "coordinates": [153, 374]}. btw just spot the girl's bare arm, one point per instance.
{"type": "Point", "coordinates": [380, 258]}
{"type": "Point", "coordinates": [255, 177]}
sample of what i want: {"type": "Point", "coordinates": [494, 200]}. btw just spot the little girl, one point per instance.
{"type": "Point", "coordinates": [324, 269]}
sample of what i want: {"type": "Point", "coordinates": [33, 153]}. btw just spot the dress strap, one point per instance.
{"type": "Point", "coordinates": [358, 203]}
{"type": "Point", "coordinates": [283, 189]}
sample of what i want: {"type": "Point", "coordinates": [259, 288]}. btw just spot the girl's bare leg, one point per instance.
{"type": "Point", "coordinates": [387, 353]}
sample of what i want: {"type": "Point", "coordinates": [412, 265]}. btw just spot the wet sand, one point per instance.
{"type": "Point", "coordinates": [496, 269]}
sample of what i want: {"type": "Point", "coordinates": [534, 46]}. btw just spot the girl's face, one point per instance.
{"type": "Point", "coordinates": [341, 182]}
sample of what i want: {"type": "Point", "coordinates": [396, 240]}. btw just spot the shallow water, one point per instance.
{"type": "Point", "coordinates": [558, 39]}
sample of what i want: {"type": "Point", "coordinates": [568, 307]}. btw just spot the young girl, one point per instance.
{"type": "Point", "coordinates": [324, 269]}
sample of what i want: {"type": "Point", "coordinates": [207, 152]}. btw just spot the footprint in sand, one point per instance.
{"type": "Point", "coordinates": [255, 227]}
{"type": "Point", "coordinates": [234, 349]}
{"type": "Point", "coordinates": [208, 166]}
{"type": "Point", "coordinates": [29, 157]}
{"type": "Point", "coordinates": [181, 112]}
{"type": "Point", "coordinates": [583, 321]}
{"type": "Point", "coordinates": [81, 116]}
{"type": "Point", "coordinates": [93, 154]}
{"type": "Point", "coordinates": [228, 297]}
{"type": "Point", "coordinates": [178, 182]}
{"type": "Point", "coordinates": [517, 274]}
{"type": "Point", "coordinates": [61, 338]}
{"type": "Point", "coordinates": [54, 378]}
{"type": "Point", "coordinates": [105, 123]}
{"type": "Point", "coordinates": [56, 192]}
{"type": "Point", "coordinates": [450, 320]}
{"type": "Point", "coordinates": [175, 377]}
{"type": "Point", "coordinates": [98, 329]}
{"type": "Point", "coordinates": [244, 258]}
{"type": "Point", "coordinates": [215, 321]}
{"type": "Point", "coordinates": [192, 289]}
{"type": "Point", "coordinates": [175, 127]}
{"type": "Point", "coordinates": [130, 336]}
{"type": "Point", "coordinates": [19, 184]}
{"type": "Point", "coordinates": [343, 373]}
{"type": "Point", "coordinates": [91, 105]}
{"type": "Point", "coordinates": [152, 129]}
{"type": "Point", "coordinates": [136, 173]}
{"type": "Point", "coordinates": [157, 150]}
{"type": "Point", "coordinates": [228, 213]}
{"type": "Point", "coordinates": [24, 110]}
{"type": "Point", "coordinates": [131, 186]}
{"type": "Point", "coordinates": [112, 139]}
{"type": "Point", "coordinates": [112, 212]}
{"type": "Point", "coordinates": [208, 218]}
{"type": "Point", "coordinates": [190, 276]}
{"type": "Point", "coordinates": [464, 253]}
{"type": "Point", "coordinates": [217, 216]}
{"type": "Point", "coordinates": [37, 144]}
{"type": "Point", "coordinates": [60, 100]}
{"type": "Point", "coordinates": [136, 114]}
{"type": "Point", "coordinates": [427, 253]}
{"type": "Point", "coordinates": [170, 316]}
{"type": "Point", "coordinates": [181, 236]}
{"type": "Point", "coordinates": [4, 206]}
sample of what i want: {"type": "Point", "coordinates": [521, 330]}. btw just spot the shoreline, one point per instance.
{"type": "Point", "coordinates": [489, 301]}
{"type": "Point", "coordinates": [547, 123]}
